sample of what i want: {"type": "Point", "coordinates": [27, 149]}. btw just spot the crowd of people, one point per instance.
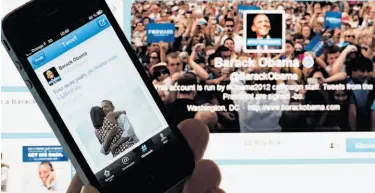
{"type": "Point", "coordinates": [207, 30]}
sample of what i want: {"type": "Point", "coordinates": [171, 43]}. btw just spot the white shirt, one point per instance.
{"type": "Point", "coordinates": [238, 42]}
{"type": "Point", "coordinates": [261, 121]}
{"type": "Point", "coordinates": [55, 186]}
{"type": "Point", "coordinates": [126, 126]}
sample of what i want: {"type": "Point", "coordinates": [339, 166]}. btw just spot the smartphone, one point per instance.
{"type": "Point", "coordinates": [96, 96]}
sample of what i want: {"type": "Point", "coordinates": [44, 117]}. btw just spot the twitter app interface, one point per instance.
{"type": "Point", "coordinates": [101, 98]}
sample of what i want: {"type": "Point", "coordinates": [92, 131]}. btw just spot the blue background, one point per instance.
{"type": "Point", "coordinates": [160, 26]}
{"type": "Point", "coordinates": [43, 149]}
{"type": "Point", "coordinates": [315, 45]}
{"type": "Point", "coordinates": [56, 49]}
{"type": "Point", "coordinates": [330, 24]}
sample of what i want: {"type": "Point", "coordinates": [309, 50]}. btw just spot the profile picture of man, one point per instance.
{"type": "Point", "coordinates": [47, 177]}
{"type": "Point", "coordinates": [261, 26]}
{"type": "Point", "coordinates": [264, 31]}
{"type": "Point", "coordinates": [52, 76]}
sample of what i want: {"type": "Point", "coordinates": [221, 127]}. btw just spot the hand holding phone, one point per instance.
{"type": "Point", "coordinates": [206, 175]}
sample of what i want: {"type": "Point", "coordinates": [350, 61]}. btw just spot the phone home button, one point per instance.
{"type": "Point", "coordinates": [149, 179]}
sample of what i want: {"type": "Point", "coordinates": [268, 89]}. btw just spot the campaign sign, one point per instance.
{"type": "Point", "coordinates": [43, 153]}
{"type": "Point", "coordinates": [264, 42]}
{"type": "Point", "coordinates": [241, 8]}
{"type": "Point", "coordinates": [316, 45]}
{"type": "Point", "coordinates": [263, 39]}
{"type": "Point", "coordinates": [157, 32]}
{"type": "Point", "coordinates": [333, 20]}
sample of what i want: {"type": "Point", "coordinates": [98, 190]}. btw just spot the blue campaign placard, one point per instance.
{"type": "Point", "coordinates": [241, 8]}
{"type": "Point", "coordinates": [43, 153]}
{"type": "Point", "coordinates": [333, 20]}
{"type": "Point", "coordinates": [264, 42]}
{"type": "Point", "coordinates": [157, 32]}
{"type": "Point", "coordinates": [316, 45]}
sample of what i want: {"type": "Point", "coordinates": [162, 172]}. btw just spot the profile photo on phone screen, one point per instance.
{"type": "Point", "coordinates": [264, 31]}
{"type": "Point", "coordinates": [52, 76]}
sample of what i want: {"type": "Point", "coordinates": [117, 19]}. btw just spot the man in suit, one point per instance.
{"type": "Point", "coordinates": [51, 77]}
{"type": "Point", "coordinates": [261, 27]}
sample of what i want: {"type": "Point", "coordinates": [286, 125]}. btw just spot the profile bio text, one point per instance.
{"type": "Point", "coordinates": [75, 84]}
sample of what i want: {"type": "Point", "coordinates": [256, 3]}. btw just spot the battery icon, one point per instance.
{"type": "Point", "coordinates": [99, 12]}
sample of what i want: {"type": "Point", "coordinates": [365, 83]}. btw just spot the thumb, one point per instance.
{"type": "Point", "coordinates": [89, 189]}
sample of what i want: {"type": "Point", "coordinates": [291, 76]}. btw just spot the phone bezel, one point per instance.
{"type": "Point", "coordinates": [174, 162]}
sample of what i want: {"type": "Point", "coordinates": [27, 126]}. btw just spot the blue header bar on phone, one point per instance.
{"type": "Point", "coordinates": [68, 42]}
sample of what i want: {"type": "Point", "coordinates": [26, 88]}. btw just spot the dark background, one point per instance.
{"type": "Point", "coordinates": [276, 21]}
{"type": "Point", "coordinates": [53, 69]}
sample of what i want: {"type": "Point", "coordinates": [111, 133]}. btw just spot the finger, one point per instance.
{"type": "Point", "coordinates": [196, 133]}
{"type": "Point", "coordinates": [89, 189]}
{"type": "Point", "coordinates": [206, 177]}
{"type": "Point", "coordinates": [75, 185]}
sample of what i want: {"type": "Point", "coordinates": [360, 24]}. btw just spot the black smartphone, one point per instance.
{"type": "Point", "coordinates": [96, 96]}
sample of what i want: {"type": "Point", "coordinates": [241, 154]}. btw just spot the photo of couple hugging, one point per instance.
{"type": "Point", "coordinates": [112, 128]}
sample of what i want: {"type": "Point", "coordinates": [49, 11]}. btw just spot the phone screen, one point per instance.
{"type": "Point", "coordinates": [99, 93]}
